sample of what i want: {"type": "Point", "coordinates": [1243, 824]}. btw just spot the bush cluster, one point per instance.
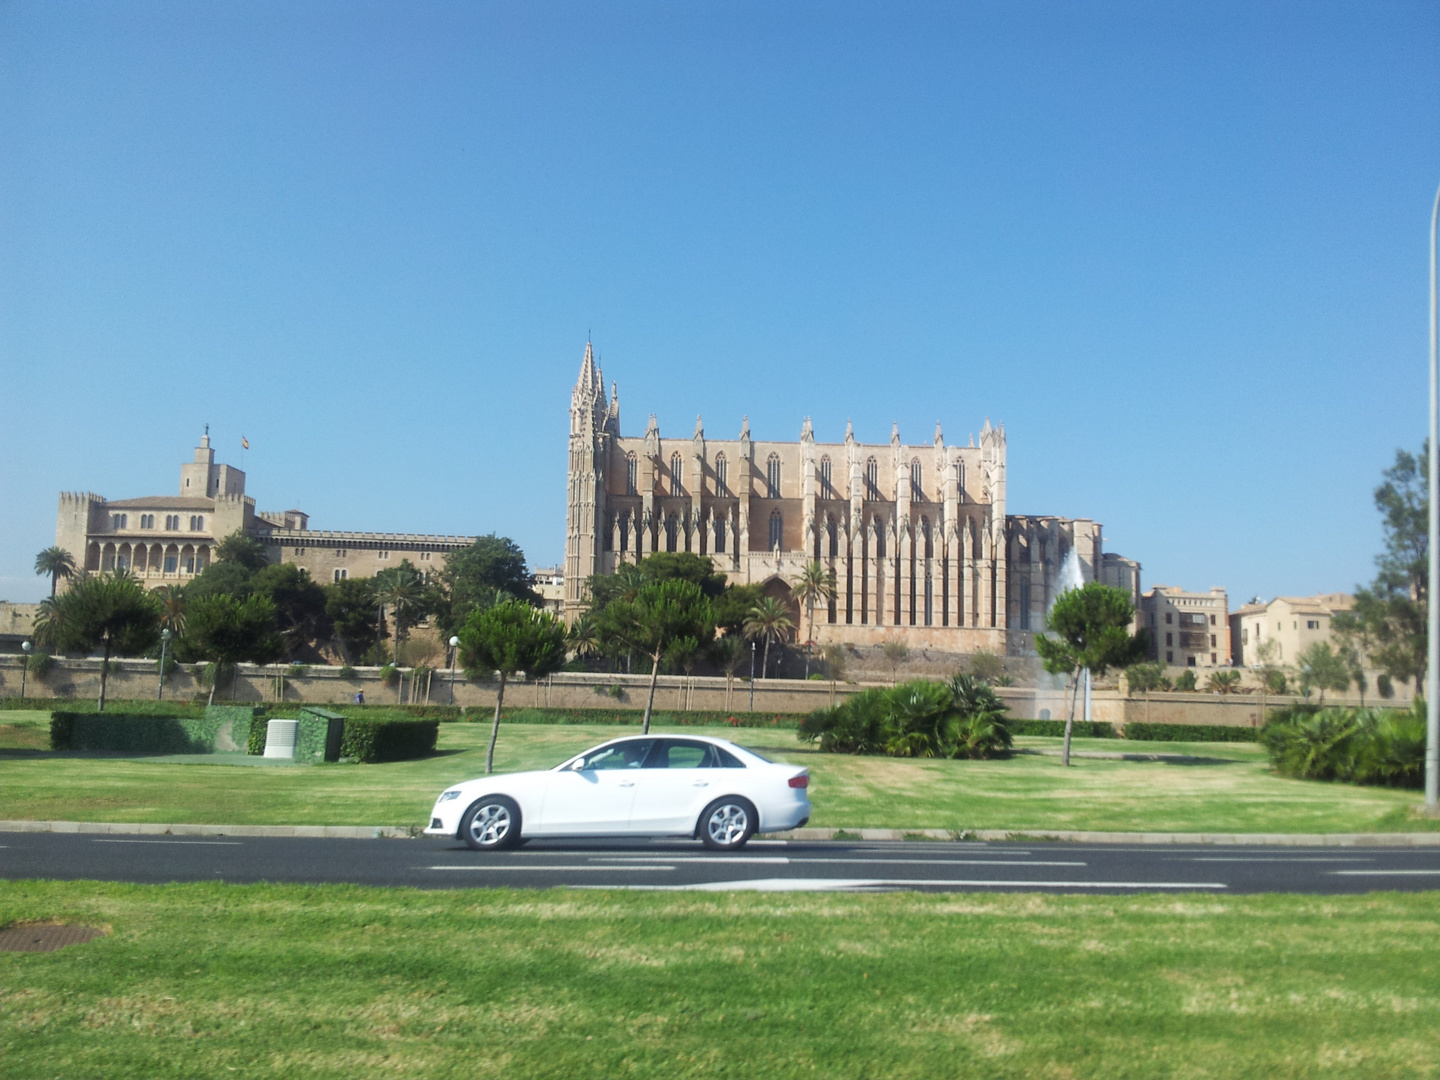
{"type": "Point", "coordinates": [1362, 746]}
{"type": "Point", "coordinates": [961, 718]}
{"type": "Point", "coordinates": [373, 740]}
{"type": "Point", "coordinates": [1082, 729]}
{"type": "Point", "coordinates": [131, 733]}
{"type": "Point", "coordinates": [1191, 732]}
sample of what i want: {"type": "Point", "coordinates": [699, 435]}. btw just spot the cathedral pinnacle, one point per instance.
{"type": "Point", "coordinates": [699, 427]}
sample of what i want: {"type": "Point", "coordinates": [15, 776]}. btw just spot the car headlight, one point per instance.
{"type": "Point", "coordinates": [447, 796]}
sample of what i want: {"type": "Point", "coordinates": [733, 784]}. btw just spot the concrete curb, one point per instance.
{"type": "Point", "coordinates": [332, 832]}
{"type": "Point", "coordinates": [374, 832]}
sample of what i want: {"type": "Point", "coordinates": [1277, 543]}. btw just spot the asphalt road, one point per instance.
{"type": "Point", "coordinates": [764, 865]}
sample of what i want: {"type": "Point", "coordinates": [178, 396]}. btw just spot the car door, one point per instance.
{"type": "Point", "coordinates": [674, 785]}
{"type": "Point", "coordinates": [594, 796]}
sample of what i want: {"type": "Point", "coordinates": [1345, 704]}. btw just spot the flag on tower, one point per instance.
{"type": "Point", "coordinates": [244, 443]}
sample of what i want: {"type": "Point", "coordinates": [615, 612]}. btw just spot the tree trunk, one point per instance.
{"type": "Point", "coordinates": [765, 663]}
{"type": "Point", "coordinates": [495, 728]}
{"type": "Point", "coordinates": [1070, 720]}
{"type": "Point", "coordinates": [214, 682]}
{"type": "Point", "coordinates": [650, 699]}
{"type": "Point", "coordinates": [104, 674]}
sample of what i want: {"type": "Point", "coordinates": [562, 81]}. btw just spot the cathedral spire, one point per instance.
{"type": "Point", "coordinates": [589, 371]}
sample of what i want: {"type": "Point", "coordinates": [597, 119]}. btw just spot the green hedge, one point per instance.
{"type": "Point", "coordinates": [133, 733]}
{"type": "Point", "coordinates": [1191, 733]}
{"type": "Point", "coordinates": [1082, 729]}
{"type": "Point", "coordinates": [370, 741]}
{"type": "Point", "coordinates": [665, 717]}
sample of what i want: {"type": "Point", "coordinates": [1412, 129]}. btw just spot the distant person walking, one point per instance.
{"type": "Point", "coordinates": [359, 697]}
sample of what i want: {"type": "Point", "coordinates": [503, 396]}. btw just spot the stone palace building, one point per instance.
{"type": "Point", "coordinates": [917, 535]}
{"type": "Point", "coordinates": [169, 539]}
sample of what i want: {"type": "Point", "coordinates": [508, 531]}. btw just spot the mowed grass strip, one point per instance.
{"type": "Point", "coordinates": [1230, 789]}
{"type": "Point", "coordinates": [289, 981]}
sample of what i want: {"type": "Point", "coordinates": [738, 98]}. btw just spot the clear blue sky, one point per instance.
{"type": "Point", "coordinates": [1179, 250]}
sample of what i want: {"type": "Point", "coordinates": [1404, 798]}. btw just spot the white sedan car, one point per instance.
{"type": "Point", "coordinates": [642, 785]}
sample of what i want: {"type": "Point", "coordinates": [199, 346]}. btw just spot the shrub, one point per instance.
{"type": "Point", "coordinates": [920, 718]}
{"type": "Point", "coordinates": [389, 675]}
{"type": "Point", "coordinates": [346, 671]}
{"type": "Point", "coordinates": [41, 664]}
{"type": "Point", "coordinates": [375, 740]}
{"type": "Point", "coordinates": [1185, 680]}
{"type": "Point", "coordinates": [1083, 729]}
{"type": "Point", "coordinates": [1191, 733]}
{"type": "Point", "coordinates": [1363, 746]}
{"type": "Point", "coordinates": [1143, 677]}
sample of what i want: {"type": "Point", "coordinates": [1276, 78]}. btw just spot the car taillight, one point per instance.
{"type": "Point", "coordinates": [800, 781]}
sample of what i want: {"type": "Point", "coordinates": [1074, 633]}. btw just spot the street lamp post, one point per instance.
{"type": "Point", "coordinates": [1432, 665]}
{"type": "Point", "coordinates": [164, 642]}
{"type": "Point", "coordinates": [454, 648]}
{"type": "Point", "coordinates": [752, 676]}
{"type": "Point", "coordinates": [24, 666]}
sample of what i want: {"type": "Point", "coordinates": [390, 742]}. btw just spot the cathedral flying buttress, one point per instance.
{"type": "Point", "coordinates": [916, 535]}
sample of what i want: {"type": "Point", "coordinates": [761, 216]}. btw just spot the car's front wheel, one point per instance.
{"type": "Point", "coordinates": [491, 824]}
{"type": "Point", "coordinates": [727, 824]}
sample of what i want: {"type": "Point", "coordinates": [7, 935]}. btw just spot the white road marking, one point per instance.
{"type": "Point", "coordinates": [210, 843]}
{"type": "Point", "coordinates": [547, 869]}
{"type": "Point", "coordinates": [1388, 873]}
{"type": "Point", "coordinates": [1264, 861]}
{"type": "Point", "coordinates": [945, 862]}
{"type": "Point", "coordinates": [780, 859]}
{"type": "Point", "coordinates": [835, 884]}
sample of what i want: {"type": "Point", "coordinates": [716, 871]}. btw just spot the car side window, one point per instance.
{"type": "Point", "coordinates": [625, 755]}
{"type": "Point", "coordinates": [681, 754]}
{"type": "Point", "coordinates": [727, 759]}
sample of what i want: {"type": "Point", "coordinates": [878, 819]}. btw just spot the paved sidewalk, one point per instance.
{"type": "Point", "coordinates": [365, 832]}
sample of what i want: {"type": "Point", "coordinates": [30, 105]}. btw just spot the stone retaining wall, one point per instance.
{"type": "Point", "coordinates": [136, 679]}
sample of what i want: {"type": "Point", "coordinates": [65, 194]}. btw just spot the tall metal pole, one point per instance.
{"type": "Point", "coordinates": [24, 666]}
{"type": "Point", "coordinates": [1432, 663]}
{"type": "Point", "coordinates": [752, 676]}
{"type": "Point", "coordinates": [160, 686]}
{"type": "Point", "coordinates": [454, 648]}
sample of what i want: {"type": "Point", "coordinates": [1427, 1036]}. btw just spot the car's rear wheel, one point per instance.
{"type": "Point", "coordinates": [727, 824]}
{"type": "Point", "coordinates": [492, 824]}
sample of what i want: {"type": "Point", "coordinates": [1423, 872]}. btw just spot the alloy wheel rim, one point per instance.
{"type": "Point", "coordinates": [727, 824]}
{"type": "Point", "coordinates": [490, 825]}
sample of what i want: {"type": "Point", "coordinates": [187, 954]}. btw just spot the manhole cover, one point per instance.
{"type": "Point", "coordinates": [45, 938]}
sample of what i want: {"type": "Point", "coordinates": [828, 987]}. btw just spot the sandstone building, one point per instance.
{"type": "Point", "coordinates": [1187, 629]}
{"type": "Point", "coordinates": [1291, 624]}
{"type": "Point", "coordinates": [169, 539]}
{"type": "Point", "coordinates": [917, 535]}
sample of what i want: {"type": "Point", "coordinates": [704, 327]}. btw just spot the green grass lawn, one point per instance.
{"type": "Point", "coordinates": [1231, 790]}
{"type": "Point", "coordinates": [331, 981]}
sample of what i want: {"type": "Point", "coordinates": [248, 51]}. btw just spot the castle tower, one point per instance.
{"type": "Point", "coordinates": [591, 424]}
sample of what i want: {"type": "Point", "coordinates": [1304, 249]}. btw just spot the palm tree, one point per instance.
{"type": "Point", "coordinates": [769, 620]}
{"type": "Point", "coordinates": [172, 608]}
{"type": "Point", "coordinates": [402, 590]}
{"type": "Point", "coordinates": [814, 584]}
{"type": "Point", "coordinates": [57, 562]}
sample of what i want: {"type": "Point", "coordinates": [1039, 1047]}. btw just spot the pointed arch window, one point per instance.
{"type": "Point", "coordinates": [677, 465]}
{"type": "Point", "coordinates": [872, 479]}
{"type": "Point", "coordinates": [833, 529]}
{"type": "Point", "coordinates": [917, 490]}
{"type": "Point", "coordinates": [631, 473]}
{"type": "Point", "coordinates": [721, 475]}
{"type": "Point", "coordinates": [826, 489]}
{"type": "Point", "coordinates": [777, 530]}
{"type": "Point", "coordinates": [720, 535]}
{"type": "Point", "coordinates": [879, 536]}
{"type": "Point", "coordinates": [672, 532]}
{"type": "Point", "coordinates": [929, 540]}
{"type": "Point", "coordinates": [772, 477]}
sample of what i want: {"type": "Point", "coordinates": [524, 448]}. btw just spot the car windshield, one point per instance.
{"type": "Point", "coordinates": [622, 755]}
